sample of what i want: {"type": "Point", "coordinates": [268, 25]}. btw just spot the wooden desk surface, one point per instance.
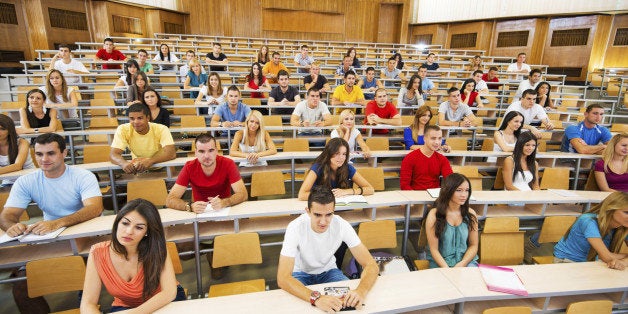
{"type": "Point", "coordinates": [391, 293]}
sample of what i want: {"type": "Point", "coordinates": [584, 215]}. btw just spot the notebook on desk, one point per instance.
{"type": "Point", "coordinates": [502, 279]}
{"type": "Point", "coordinates": [210, 212]}
{"type": "Point", "coordinates": [436, 191]}
{"type": "Point", "coordinates": [32, 237]}
{"type": "Point", "coordinates": [350, 199]}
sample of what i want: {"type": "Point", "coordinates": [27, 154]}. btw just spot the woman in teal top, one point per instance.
{"type": "Point", "coordinates": [452, 226]}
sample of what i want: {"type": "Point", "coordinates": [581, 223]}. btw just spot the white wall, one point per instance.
{"type": "Point", "coordinates": [443, 11]}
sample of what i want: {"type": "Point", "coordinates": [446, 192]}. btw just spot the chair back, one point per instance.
{"type": "Point", "coordinates": [375, 176]}
{"type": "Point", "coordinates": [193, 122]}
{"type": "Point", "coordinates": [501, 224]}
{"type": "Point", "coordinates": [296, 145]}
{"type": "Point", "coordinates": [509, 310]}
{"type": "Point", "coordinates": [171, 247]}
{"type": "Point", "coordinates": [101, 102]}
{"type": "Point", "coordinates": [457, 143]}
{"type": "Point", "coordinates": [267, 183]}
{"type": "Point", "coordinates": [555, 178]}
{"type": "Point", "coordinates": [499, 179]}
{"type": "Point", "coordinates": [274, 120]}
{"type": "Point", "coordinates": [378, 143]}
{"type": "Point", "coordinates": [237, 249]}
{"type": "Point", "coordinates": [555, 227]}
{"type": "Point", "coordinates": [591, 184]}
{"type": "Point", "coordinates": [501, 248]}
{"type": "Point", "coordinates": [252, 101]}
{"type": "Point", "coordinates": [591, 307]}
{"type": "Point", "coordinates": [153, 191]}
{"type": "Point", "coordinates": [378, 234]}
{"type": "Point", "coordinates": [183, 111]}
{"type": "Point", "coordinates": [95, 153]}
{"type": "Point", "coordinates": [487, 144]}
{"type": "Point", "coordinates": [54, 275]}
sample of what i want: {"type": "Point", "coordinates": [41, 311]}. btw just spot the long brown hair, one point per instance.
{"type": "Point", "coordinates": [341, 175]}
{"type": "Point", "coordinates": [452, 182]}
{"type": "Point", "coordinates": [151, 249]}
{"type": "Point", "coordinates": [8, 124]}
{"type": "Point", "coordinates": [416, 122]}
{"type": "Point", "coordinates": [50, 90]}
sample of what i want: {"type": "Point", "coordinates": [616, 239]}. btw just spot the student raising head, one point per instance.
{"type": "Point", "coordinates": [332, 169]}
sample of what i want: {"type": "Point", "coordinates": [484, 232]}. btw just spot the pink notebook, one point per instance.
{"type": "Point", "coordinates": [502, 279]}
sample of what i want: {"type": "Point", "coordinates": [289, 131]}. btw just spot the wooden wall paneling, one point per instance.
{"type": "Point", "coordinates": [570, 56]}
{"type": "Point", "coordinates": [438, 32]}
{"type": "Point", "coordinates": [510, 26]}
{"type": "Point", "coordinates": [322, 6]}
{"type": "Point", "coordinates": [389, 22]}
{"type": "Point", "coordinates": [473, 27]}
{"type": "Point", "coordinates": [615, 56]}
{"type": "Point", "coordinates": [64, 35]}
{"type": "Point", "coordinates": [19, 34]}
{"type": "Point", "coordinates": [37, 33]}
{"type": "Point", "coordinates": [119, 9]}
{"type": "Point", "coordinates": [100, 21]}
{"type": "Point", "coordinates": [153, 22]}
{"type": "Point", "coordinates": [539, 37]}
{"type": "Point", "coordinates": [600, 43]}
{"type": "Point", "coordinates": [246, 18]}
{"type": "Point", "coordinates": [360, 23]}
{"type": "Point", "coordinates": [277, 23]}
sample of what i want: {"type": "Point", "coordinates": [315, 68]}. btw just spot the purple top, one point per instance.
{"type": "Point", "coordinates": [618, 182]}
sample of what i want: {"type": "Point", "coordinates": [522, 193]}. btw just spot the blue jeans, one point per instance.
{"type": "Point", "coordinates": [180, 297]}
{"type": "Point", "coordinates": [331, 275]}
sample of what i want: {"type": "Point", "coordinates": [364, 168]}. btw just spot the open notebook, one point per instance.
{"type": "Point", "coordinates": [210, 212]}
{"type": "Point", "coordinates": [502, 279]}
{"type": "Point", "coordinates": [350, 199]}
{"type": "Point", "coordinates": [32, 237]}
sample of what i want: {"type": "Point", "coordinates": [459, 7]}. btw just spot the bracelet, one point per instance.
{"type": "Point", "coordinates": [361, 191]}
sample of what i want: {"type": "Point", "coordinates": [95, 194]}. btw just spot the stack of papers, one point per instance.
{"type": "Point", "coordinates": [32, 237]}
{"type": "Point", "coordinates": [210, 212]}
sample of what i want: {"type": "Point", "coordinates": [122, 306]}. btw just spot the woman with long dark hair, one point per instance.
{"type": "Point", "coordinates": [413, 134]}
{"type": "Point", "coordinates": [543, 97]}
{"type": "Point", "coordinates": [412, 94]}
{"type": "Point", "coordinates": [14, 151]}
{"type": "Point", "coordinates": [134, 266]}
{"type": "Point", "coordinates": [521, 170]}
{"type": "Point", "coordinates": [135, 92]}
{"type": "Point", "coordinates": [351, 52]}
{"type": "Point", "coordinates": [468, 94]}
{"type": "Point", "coordinates": [452, 226]}
{"type": "Point", "coordinates": [34, 117]}
{"type": "Point", "coordinates": [131, 67]}
{"type": "Point", "coordinates": [332, 169]}
{"type": "Point", "coordinates": [153, 101]}
{"type": "Point", "coordinates": [214, 93]}
{"type": "Point", "coordinates": [263, 55]}
{"type": "Point", "coordinates": [164, 55]}
{"type": "Point", "coordinates": [256, 82]}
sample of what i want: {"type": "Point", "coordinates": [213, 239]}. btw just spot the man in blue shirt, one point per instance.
{"type": "Point", "coordinates": [232, 113]}
{"type": "Point", "coordinates": [426, 84]}
{"type": "Point", "coordinates": [587, 137]}
{"type": "Point", "coordinates": [66, 195]}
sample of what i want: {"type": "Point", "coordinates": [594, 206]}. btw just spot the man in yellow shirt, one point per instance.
{"type": "Point", "coordinates": [149, 143]}
{"type": "Point", "coordinates": [272, 68]}
{"type": "Point", "coordinates": [348, 94]}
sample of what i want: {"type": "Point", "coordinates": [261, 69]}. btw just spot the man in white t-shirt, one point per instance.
{"type": "Point", "coordinates": [528, 107]}
{"type": "Point", "coordinates": [67, 65]}
{"type": "Point", "coordinates": [307, 254]}
{"type": "Point", "coordinates": [533, 80]}
{"type": "Point", "coordinates": [311, 112]}
{"type": "Point", "coordinates": [520, 66]}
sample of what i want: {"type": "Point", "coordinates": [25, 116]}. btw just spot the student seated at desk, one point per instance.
{"type": "Point", "coordinates": [14, 151]}
{"type": "Point", "coordinates": [232, 113]}
{"type": "Point", "coordinates": [149, 143]}
{"type": "Point", "coordinates": [135, 92]}
{"type": "Point", "coordinates": [307, 254]}
{"type": "Point", "coordinates": [599, 232]}
{"type": "Point", "coordinates": [412, 94]}
{"type": "Point", "coordinates": [413, 135]}
{"type": "Point", "coordinates": [35, 118]}
{"type": "Point", "coordinates": [454, 112]}
{"type": "Point", "coordinates": [165, 56]}
{"type": "Point", "coordinates": [521, 169]}
{"type": "Point", "coordinates": [131, 67]}
{"type": "Point", "coordinates": [381, 111]}
{"type": "Point", "coordinates": [347, 131]}
{"type": "Point", "coordinates": [332, 169]}
{"type": "Point", "coordinates": [252, 141]}
{"type": "Point", "coordinates": [452, 226]}
{"type": "Point", "coordinates": [153, 101]}
{"type": "Point", "coordinates": [66, 195]}
{"type": "Point", "coordinates": [195, 77]}
{"type": "Point", "coordinates": [311, 113]}
{"type": "Point", "coordinates": [505, 138]}
{"type": "Point", "coordinates": [611, 172]}
{"type": "Point", "coordinates": [134, 266]}
{"type": "Point", "coordinates": [469, 96]}
{"type": "Point", "coordinates": [256, 82]}
{"type": "Point", "coordinates": [59, 95]}
{"type": "Point", "coordinates": [214, 93]}
{"type": "Point", "coordinates": [422, 168]}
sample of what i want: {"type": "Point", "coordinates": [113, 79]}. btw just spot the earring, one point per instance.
{"type": "Point", "coordinates": [146, 234]}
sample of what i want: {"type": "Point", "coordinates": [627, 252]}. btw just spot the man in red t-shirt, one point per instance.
{"type": "Point", "coordinates": [381, 111]}
{"type": "Point", "coordinates": [212, 178]}
{"type": "Point", "coordinates": [421, 169]}
{"type": "Point", "coordinates": [491, 76]}
{"type": "Point", "coordinates": [109, 53]}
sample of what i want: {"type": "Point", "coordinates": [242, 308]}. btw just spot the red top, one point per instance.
{"type": "Point", "coordinates": [126, 294]}
{"type": "Point", "coordinates": [387, 112]}
{"type": "Point", "coordinates": [207, 187]}
{"type": "Point", "coordinates": [494, 80]}
{"type": "Point", "coordinates": [419, 172]}
{"type": "Point", "coordinates": [252, 85]}
{"type": "Point", "coordinates": [472, 102]}
{"type": "Point", "coordinates": [114, 55]}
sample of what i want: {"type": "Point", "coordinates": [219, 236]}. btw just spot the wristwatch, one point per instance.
{"type": "Point", "coordinates": [315, 295]}
{"type": "Point", "coordinates": [36, 130]}
{"type": "Point", "coordinates": [188, 208]}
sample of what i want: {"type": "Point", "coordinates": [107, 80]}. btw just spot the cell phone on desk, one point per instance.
{"type": "Point", "coordinates": [339, 292]}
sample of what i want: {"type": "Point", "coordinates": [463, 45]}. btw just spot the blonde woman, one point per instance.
{"type": "Point", "coordinates": [59, 95]}
{"type": "Point", "coordinates": [599, 232]}
{"type": "Point", "coordinates": [253, 141]}
{"type": "Point", "coordinates": [475, 64]}
{"type": "Point", "coordinates": [195, 77]}
{"type": "Point", "coordinates": [346, 130]}
{"type": "Point", "coordinates": [611, 172]}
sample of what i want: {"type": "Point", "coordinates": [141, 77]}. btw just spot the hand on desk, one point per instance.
{"type": "Point", "coordinates": [199, 207]}
{"type": "Point", "coordinates": [352, 299]}
{"type": "Point", "coordinates": [43, 227]}
{"type": "Point", "coordinates": [252, 158]}
{"type": "Point", "coordinates": [329, 303]}
{"type": "Point", "coordinates": [616, 264]}
{"type": "Point", "coordinates": [17, 229]}
{"type": "Point", "coordinates": [142, 164]}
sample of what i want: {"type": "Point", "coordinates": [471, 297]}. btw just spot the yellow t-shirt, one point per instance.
{"type": "Point", "coordinates": [341, 94]}
{"type": "Point", "coordinates": [270, 67]}
{"type": "Point", "coordinates": [146, 145]}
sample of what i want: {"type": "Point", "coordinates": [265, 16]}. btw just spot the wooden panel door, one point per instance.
{"type": "Point", "coordinates": [389, 24]}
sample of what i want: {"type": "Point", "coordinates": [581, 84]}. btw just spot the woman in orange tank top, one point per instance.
{"type": "Point", "coordinates": [134, 266]}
